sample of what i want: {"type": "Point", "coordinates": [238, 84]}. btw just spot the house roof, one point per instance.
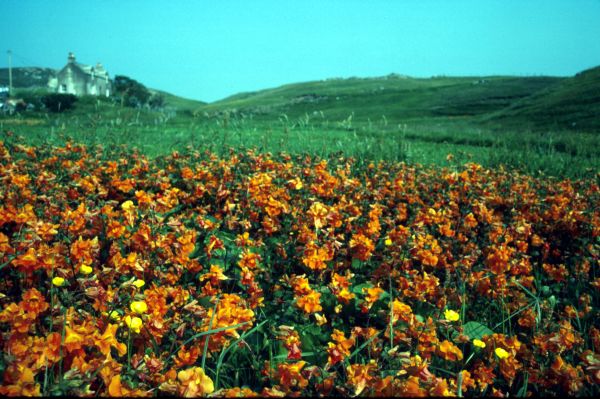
{"type": "Point", "coordinates": [92, 70]}
{"type": "Point", "coordinates": [97, 70]}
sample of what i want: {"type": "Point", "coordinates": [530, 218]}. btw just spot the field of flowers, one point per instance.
{"type": "Point", "coordinates": [279, 275]}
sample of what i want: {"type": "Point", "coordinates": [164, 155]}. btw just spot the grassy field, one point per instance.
{"type": "Point", "coordinates": [539, 125]}
{"type": "Point", "coordinates": [557, 153]}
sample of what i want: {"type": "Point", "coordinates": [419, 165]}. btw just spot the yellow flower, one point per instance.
{"type": "Point", "coordinates": [139, 283]}
{"type": "Point", "coordinates": [479, 343]}
{"type": "Point", "coordinates": [501, 353]}
{"type": "Point", "coordinates": [134, 323]}
{"type": "Point", "coordinates": [58, 281]}
{"type": "Point", "coordinates": [320, 319]}
{"type": "Point", "coordinates": [85, 269]}
{"type": "Point", "coordinates": [451, 315]}
{"type": "Point", "coordinates": [138, 307]}
{"type": "Point", "coordinates": [114, 315]}
{"type": "Point", "coordinates": [127, 206]}
{"type": "Point", "coordinates": [388, 242]}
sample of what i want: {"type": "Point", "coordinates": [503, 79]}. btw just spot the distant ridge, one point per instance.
{"type": "Point", "coordinates": [27, 77]}
{"type": "Point", "coordinates": [537, 103]}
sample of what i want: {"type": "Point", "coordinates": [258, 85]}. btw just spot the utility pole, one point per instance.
{"type": "Point", "coordinates": [10, 90]}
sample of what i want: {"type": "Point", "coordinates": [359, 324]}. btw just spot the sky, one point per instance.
{"type": "Point", "coordinates": [208, 50]}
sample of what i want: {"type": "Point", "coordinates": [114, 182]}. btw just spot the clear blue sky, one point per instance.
{"type": "Point", "coordinates": [210, 49]}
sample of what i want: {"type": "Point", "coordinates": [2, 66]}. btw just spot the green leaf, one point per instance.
{"type": "Point", "coordinates": [357, 289]}
{"type": "Point", "coordinates": [475, 330]}
{"type": "Point", "coordinates": [197, 251]}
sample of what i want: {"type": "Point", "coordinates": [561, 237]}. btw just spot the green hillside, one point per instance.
{"type": "Point", "coordinates": [491, 102]}
{"type": "Point", "coordinates": [396, 98]}
{"type": "Point", "coordinates": [573, 104]}
{"type": "Point", "coordinates": [178, 103]}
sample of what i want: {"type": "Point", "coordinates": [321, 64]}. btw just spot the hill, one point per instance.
{"type": "Point", "coordinates": [493, 102]}
{"type": "Point", "coordinates": [27, 77]}
{"type": "Point", "coordinates": [395, 97]}
{"type": "Point", "coordinates": [178, 103]}
{"type": "Point", "coordinates": [574, 104]}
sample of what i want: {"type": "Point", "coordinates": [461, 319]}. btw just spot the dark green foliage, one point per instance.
{"type": "Point", "coordinates": [156, 101]}
{"type": "Point", "coordinates": [59, 102]}
{"type": "Point", "coordinates": [130, 92]}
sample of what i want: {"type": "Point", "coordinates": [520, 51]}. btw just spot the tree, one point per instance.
{"type": "Point", "coordinates": [130, 92]}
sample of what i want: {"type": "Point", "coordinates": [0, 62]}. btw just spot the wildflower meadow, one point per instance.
{"type": "Point", "coordinates": [259, 274]}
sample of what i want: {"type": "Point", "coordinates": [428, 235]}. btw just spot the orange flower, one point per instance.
{"type": "Point", "coordinates": [314, 257]}
{"type": "Point", "coordinates": [115, 229]}
{"type": "Point", "coordinates": [73, 340]}
{"type": "Point", "coordinates": [362, 245]}
{"type": "Point", "coordinates": [249, 260]}
{"type": "Point", "coordinates": [84, 251]}
{"type": "Point", "coordinates": [401, 311]}
{"type": "Point", "coordinates": [231, 310]}
{"type": "Point", "coordinates": [290, 376]}
{"type": "Point", "coordinates": [467, 381]}
{"type": "Point", "coordinates": [22, 383]}
{"type": "Point", "coordinates": [34, 302]}
{"type": "Point", "coordinates": [27, 262]}
{"type": "Point", "coordinates": [339, 287]}
{"type": "Point", "coordinates": [340, 348]}
{"type": "Point", "coordinates": [291, 341]}
{"type": "Point", "coordinates": [193, 382]}
{"type": "Point", "coordinates": [187, 357]}
{"type": "Point", "coordinates": [411, 388]}
{"type": "Point", "coordinates": [372, 295]}
{"type": "Point", "coordinates": [109, 339]}
{"type": "Point", "coordinates": [116, 389]}
{"type": "Point", "coordinates": [213, 245]}
{"type": "Point", "coordinates": [310, 303]}
{"type": "Point", "coordinates": [215, 274]}
{"type": "Point", "coordinates": [300, 285]}
{"type": "Point", "coordinates": [448, 351]}
{"type": "Point", "coordinates": [20, 321]}
{"type": "Point", "coordinates": [470, 221]}
{"type": "Point", "coordinates": [483, 375]}
{"type": "Point", "coordinates": [318, 212]}
{"type": "Point", "coordinates": [52, 347]}
{"type": "Point", "coordinates": [360, 375]}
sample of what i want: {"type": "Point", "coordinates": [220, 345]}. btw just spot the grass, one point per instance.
{"type": "Point", "coordinates": [565, 154]}
{"type": "Point", "coordinates": [516, 122]}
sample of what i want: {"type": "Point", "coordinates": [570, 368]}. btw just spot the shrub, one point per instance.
{"type": "Point", "coordinates": [59, 102]}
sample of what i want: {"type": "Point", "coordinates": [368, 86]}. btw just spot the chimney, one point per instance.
{"type": "Point", "coordinates": [71, 58]}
